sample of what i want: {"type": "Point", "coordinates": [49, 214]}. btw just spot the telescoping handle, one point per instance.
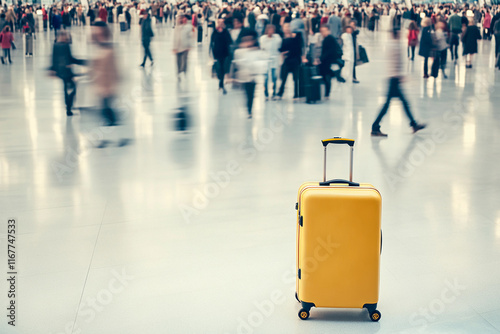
{"type": "Point", "coordinates": [338, 140]}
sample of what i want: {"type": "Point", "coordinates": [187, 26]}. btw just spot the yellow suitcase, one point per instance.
{"type": "Point", "coordinates": [339, 241]}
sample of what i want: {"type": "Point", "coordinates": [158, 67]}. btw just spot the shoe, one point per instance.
{"type": "Point", "coordinates": [142, 65]}
{"type": "Point", "coordinates": [249, 116]}
{"type": "Point", "coordinates": [418, 127]}
{"type": "Point", "coordinates": [426, 76]}
{"type": "Point", "coordinates": [327, 98]}
{"type": "Point", "coordinates": [152, 63]}
{"type": "Point", "coordinates": [445, 76]}
{"type": "Point", "coordinates": [378, 133]}
{"type": "Point", "coordinates": [355, 81]}
{"type": "Point", "coordinates": [69, 113]}
{"type": "Point", "coordinates": [267, 98]}
{"type": "Point", "coordinates": [340, 79]}
{"type": "Point", "coordinates": [224, 91]}
{"type": "Point", "coordinates": [3, 62]}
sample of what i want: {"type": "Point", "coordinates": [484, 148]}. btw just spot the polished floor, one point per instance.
{"type": "Point", "coordinates": [194, 232]}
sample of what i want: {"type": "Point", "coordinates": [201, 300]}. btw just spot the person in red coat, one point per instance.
{"type": "Point", "coordinates": [103, 13]}
{"type": "Point", "coordinates": [6, 40]}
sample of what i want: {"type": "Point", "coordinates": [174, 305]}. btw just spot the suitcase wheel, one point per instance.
{"type": "Point", "coordinates": [375, 315]}
{"type": "Point", "coordinates": [304, 314]}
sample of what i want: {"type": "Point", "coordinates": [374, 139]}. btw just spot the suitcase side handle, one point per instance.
{"type": "Point", "coordinates": [338, 140]}
{"type": "Point", "coordinates": [336, 181]}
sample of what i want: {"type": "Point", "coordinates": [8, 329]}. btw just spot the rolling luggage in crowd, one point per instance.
{"type": "Point", "coordinates": [339, 241]}
{"type": "Point", "coordinates": [123, 23]}
{"type": "Point", "coordinates": [312, 84]}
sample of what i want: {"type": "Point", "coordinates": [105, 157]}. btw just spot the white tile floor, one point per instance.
{"type": "Point", "coordinates": [123, 240]}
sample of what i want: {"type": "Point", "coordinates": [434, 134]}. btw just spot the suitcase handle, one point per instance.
{"type": "Point", "coordinates": [350, 183]}
{"type": "Point", "coordinates": [338, 140]}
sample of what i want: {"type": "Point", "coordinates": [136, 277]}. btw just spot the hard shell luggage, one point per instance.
{"type": "Point", "coordinates": [200, 34]}
{"type": "Point", "coordinates": [123, 26]}
{"type": "Point", "coordinates": [312, 85]}
{"type": "Point", "coordinates": [339, 242]}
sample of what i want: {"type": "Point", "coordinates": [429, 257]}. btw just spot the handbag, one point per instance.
{"type": "Point", "coordinates": [362, 56]}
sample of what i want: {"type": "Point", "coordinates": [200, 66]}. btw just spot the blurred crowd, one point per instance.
{"type": "Point", "coordinates": [315, 43]}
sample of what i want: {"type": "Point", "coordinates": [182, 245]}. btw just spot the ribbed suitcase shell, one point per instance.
{"type": "Point", "coordinates": [338, 245]}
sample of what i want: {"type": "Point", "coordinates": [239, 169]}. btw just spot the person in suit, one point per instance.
{"type": "Point", "coordinates": [147, 34]}
{"type": "Point", "coordinates": [426, 44]}
{"type": "Point", "coordinates": [62, 60]}
{"type": "Point", "coordinates": [220, 43]}
{"type": "Point", "coordinates": [330, 54]}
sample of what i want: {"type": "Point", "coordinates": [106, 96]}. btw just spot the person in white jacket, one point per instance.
{"type": "Point", "coordinates": [270, 43]}
{"type": "Point", "coordinates": [348, 53]}
{"type": "Point", "coordinates": [183, 35]}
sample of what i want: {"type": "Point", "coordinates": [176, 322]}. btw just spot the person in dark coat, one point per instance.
{"type": "Point", "coordinates": [291, 50]}
{"type": "Point", "coordinates": [147, 34]}
{"type": "Point", "coordinates": [469, 40]}
{"type": "Point", "coordinates": [62, 59]}
{"type": "Point", "coordinates": [331, 52]}
{"type": "Point", "coordinates": [220, 43]}
{"type": "Point", "coordinates": [496, 32]}
{"type": "Point", "coordinates": [426, 44]}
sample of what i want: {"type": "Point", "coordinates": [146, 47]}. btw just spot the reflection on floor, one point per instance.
{"type": "Point", "coordinates": [194, 232]}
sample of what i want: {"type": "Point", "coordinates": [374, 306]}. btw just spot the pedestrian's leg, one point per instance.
{"type": "Point", "coordinates": [426, 66]}
{"type": "Point", "coordinates": [390, 94]}
{"type": "Point", "coordinates": [413, 52]}
{"type": "Point", "coordinates": [108, 113]}
{"type": "Point", "coordinates": [184, 61]}
{"type": "Point", "coordinates": [144, 45]}
{"type": "Point", "coordinates": [251, 94]}
{"type": "Point", "coordinates": [221, 72]}
{"type": "Point", "coordinates": [296, 75]}
{"type": "Point", "coordinates": [148, 52]}
{"type": "Point", "coordinates": [266, 81]}
{"type": "Point", "coordinates": [327, 78]}
{"type": "Point", "coordinates": [284, 75]}
{"type": "Point", "coordinates": [179, 64]}
{"type": "Point", "coordinates": [274, 79]}
{"type": "Point", "coordinates": [399, 93]}
{"type": "Point", "coordinates": [354, 72]}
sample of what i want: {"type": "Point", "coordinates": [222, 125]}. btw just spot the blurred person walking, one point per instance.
{"type": "Point", "coordinates": [331, 53]}
{"type": "Point", "coordinates": [354, 34]}
{"type": "Point", "coordinates": [104, 71]}
{"type": "Point", "coordinates": [469, 40]}
{"type": "Point", "coordinates": [348, 53]}
{"type": "Point", "coordinates": [496, 31]}
{"type": "Point", "coordinates": [270, 43]}
{"type": "Point", "coordinates": [220, 43]}
{"type": "Point", "coordinates": [291, 49]}
{"type": "Point", "coordinates": [412, 39]}
{"type": "Point", "coordinates": [248, 59]}
{"type": "Point", "coordinates": [183, 34]}
{"type": "Point", "coordinates": [56, 23]}
{"type": "Point", "coordinates": [146, 34]}
{"type": "Point", "coordinates": [426, 44]}
{"type": "Point", "coordinates": [455, 27]}
{"type": "Point", "coordinates": [7, 42]}
{"type": "Point", "coordinates": [487, 24]}
{"type": "Point", "coordinates": [395, 90]}
{"type": "Point", "coordinates": [62, 61]}
{"type": "Point", "coordinates": [441, 51]}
